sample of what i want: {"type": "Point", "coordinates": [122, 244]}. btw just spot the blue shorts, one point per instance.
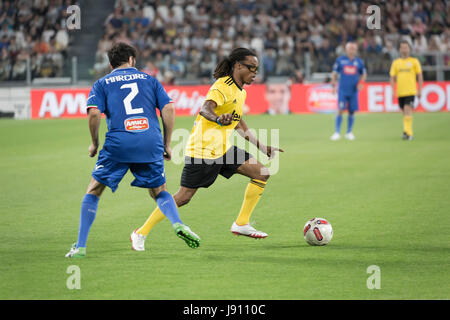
{"type": "Point", "coordinates": [348, 101]}
{"type": "Point", "coordinates": [110, 173]}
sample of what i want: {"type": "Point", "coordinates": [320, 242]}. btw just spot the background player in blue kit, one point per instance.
{"type": "Point", "coordinates": [352, 75]}
{"type": "Point", "coordinates": [129, 99]}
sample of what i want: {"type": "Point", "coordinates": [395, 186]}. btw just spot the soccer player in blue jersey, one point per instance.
{"type": "Point", "coordinates": [129, 99]}
{"type": "Point", "coordinates": [352, 75]}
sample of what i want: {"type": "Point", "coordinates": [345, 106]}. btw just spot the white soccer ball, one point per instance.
{"type": "Point", "coordinates": [318, 232]}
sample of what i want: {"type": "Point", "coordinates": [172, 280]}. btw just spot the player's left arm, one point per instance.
{"type": "Point", "coordinates": [244, 132]}
{"type": "Point", "coordinates": [362, 77]}
{"type": "Point", "coordinates": [168, 121]}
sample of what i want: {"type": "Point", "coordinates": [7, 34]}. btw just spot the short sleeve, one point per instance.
{"type": "Point", "coordinates": [417, 67]}
{"type": "Point", "coordinates": [362, 67]}
{"type": "Point", "coordinates": [97, 97]}
{"type": "Point", "coordinates": [162, 98]}
{"type": "Point", "coordinates": [336, 66]}
{"type": "Point", "coordinates": [393, 71]}
{"type": "Point", "coordinates": [216, 95]}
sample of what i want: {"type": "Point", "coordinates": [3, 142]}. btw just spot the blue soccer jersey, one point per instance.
{"type": "Point", "coordinates": [349, 72]}
{"type": "Point", "coordinates": [129, 99]}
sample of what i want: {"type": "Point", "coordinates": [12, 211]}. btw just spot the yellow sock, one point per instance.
{"type": "Point", "coordinates": [156, 217]}
{"type": "Point", "coordinates": [253, 192]}
{"type": "Point", "coordinates": [407, 125]}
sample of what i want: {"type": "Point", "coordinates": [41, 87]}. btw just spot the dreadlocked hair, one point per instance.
{"type": "Point", "coordinates": [225, 66]}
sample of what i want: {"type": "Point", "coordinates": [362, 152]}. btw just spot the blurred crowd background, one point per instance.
{"type": "Point", "coordinates": [184, 39]}
{"type": "Point", "coordinates": [34, 30]}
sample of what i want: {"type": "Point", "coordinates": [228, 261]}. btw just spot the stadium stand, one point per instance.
{"type": "Point", "coordinates": [34, 31]}
{"type": "Point", "coordinates": [184, 39]}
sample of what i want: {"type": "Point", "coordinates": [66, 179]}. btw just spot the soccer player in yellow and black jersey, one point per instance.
{"type": "Point", "coordinates": [209, 152]}
{"type": "Point", "coordinates": [404, 72]}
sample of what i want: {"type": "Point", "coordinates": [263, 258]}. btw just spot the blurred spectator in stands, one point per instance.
{"type": "Point", "coordinates": [269, 62]}
{"type": "Point", "coordinates": [390, 50]}
{"type": "Point", "coordinates": [404, 29]}
{"type": "Point", "coordinates": [176, 67]}
{"type": "Point", "coordinates": [168, 79]}
{"type": "Point", "coordinates": [4, 42]}
{"type": "Point", "coordinates": [419, 44]}
{"type": "Point", "coordinates": [421, 14]}
{"type": "Point", "coordinates": [101, 66]}
{"type": "Point", "coordinates": [325, 56]}
{"type": "Point", "coordinates": [56, 57]}
{"type": "Point", "coordinates": [418, 26]}
{"type": "Point", "coordinates": [373, 47]}
{"type": "Point", "coordinates": [40, 47]}
{"type": "Point", "coordinates": [62, 37]}
{"type": "Point", "coordinates": [141, 19]}
{"type": "Point", "coordinates": [151, 69]}
{"type": "Point", "coordinates": [19, 70]}
{"type": "Point", "coordinates": [206, 67]}
{"type": "Point", "coordinates": [5, 64]}
{"type": "Point", "coordinates": [298, 76]}
{"type": "Point", "coordinates": [115, 19]}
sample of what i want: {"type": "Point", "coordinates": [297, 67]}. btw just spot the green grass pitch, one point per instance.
{"type": "Point", "coordinates": [388, 201]}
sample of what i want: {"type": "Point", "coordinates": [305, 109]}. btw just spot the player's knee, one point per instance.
{"type": "Point", "coordinates": [182, 201]}
{"type": "Point", "coordinates": [264, 174]}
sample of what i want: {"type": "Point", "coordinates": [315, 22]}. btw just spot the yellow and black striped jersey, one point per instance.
{"type": "Point", "coordinates": [209, 140]}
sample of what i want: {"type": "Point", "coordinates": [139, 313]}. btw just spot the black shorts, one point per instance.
{"type": "Point", "coordinates": [402, 101]}
{"type": "Point", "coordinates": [201, 173]}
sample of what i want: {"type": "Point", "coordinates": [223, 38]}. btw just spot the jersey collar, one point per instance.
{"type": "Point", "coordinates": [235, 83]}
{"type": "Point", "coordinates": [120, 69]}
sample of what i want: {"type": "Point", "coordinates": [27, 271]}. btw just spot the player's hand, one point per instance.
{"type": "Point", "coordinates": [333, 90]}
{"type": "Point", "coordinates": [419, 93]}
{"type": "Point", "coordinates": [167, 153]}
{"type": "Point", "coordinates": [92, 150]}
{"type": "Point", "coordinates": [270, 151]}
{"type": "Point", "coordinates": [360, 86]}
{"type": "Point", "coordinates": [226, 119]}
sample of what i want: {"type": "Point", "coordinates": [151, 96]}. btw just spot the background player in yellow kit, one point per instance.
{"type": "Point", "coordinates": [209, 152]}
{"type": "Point", "coordinates": [404, 71]}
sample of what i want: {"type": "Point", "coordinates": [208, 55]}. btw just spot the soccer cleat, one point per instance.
{"type": "Point", "coordinates": [76, 252]}
{"type": "Point", "coordinates": [335, 136]}
{"type": "Point", "coordinates": [184, 232]}
{"type": "Point", "coordinates": [349, 136]}
{"type": "Point", "coordinates": [406, 136]}
{"type": "Point", "coordinates": [248, 231]}
{"type": "Point", "coordinates": [137, 241]}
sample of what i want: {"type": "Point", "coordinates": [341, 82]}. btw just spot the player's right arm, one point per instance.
{"type": "Point", "coordinates": [334, 74]}
{"type": "Point", "coordinates": [207, 111]}
{"type": "Point", "coordinates": [96, 104]}
{"type": "Point", "coordinates": [94, 117]}
{"type": "Point", "coordinates": [333, 82]}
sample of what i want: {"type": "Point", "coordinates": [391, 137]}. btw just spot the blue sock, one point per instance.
{"type": "Point", "coordinates": [338, 123]}
{"type": "Point", "coordinates": [168, 206]}
{"type": "Point", "coordinates": [87, 217]}
{"type": "Point", "coordinates": [351, 120]}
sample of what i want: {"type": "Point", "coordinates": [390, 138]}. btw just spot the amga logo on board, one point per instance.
{"type": "Point", "coordinates": [56, 105]}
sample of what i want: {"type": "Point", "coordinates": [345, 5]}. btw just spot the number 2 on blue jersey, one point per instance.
{"type": "Point", "coordinates": [127, 100]}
